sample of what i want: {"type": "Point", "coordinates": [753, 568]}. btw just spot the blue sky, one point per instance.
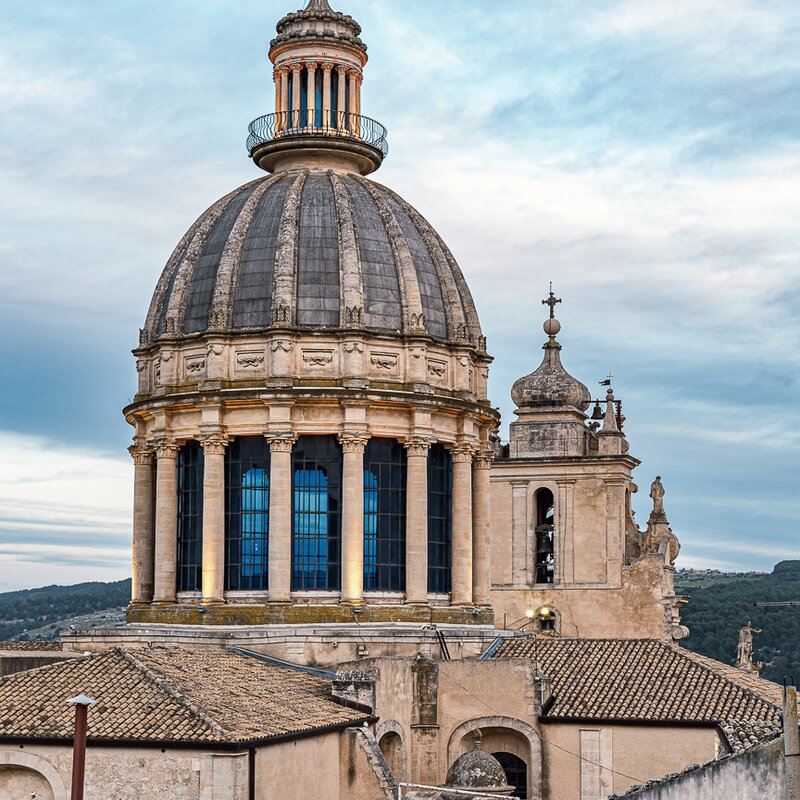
{"type": "Point", "coordinates": [643, 156]}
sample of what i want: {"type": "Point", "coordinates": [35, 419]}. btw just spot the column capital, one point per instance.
{"type": "Point", "coordinates": [463, 453]}
{"type": "Point", "coordinates": [165, 447]}
{"type": "Point", "coordinates": [281, 70]}
{"type": "Point", "coordinates": [214, 444]}
{"type": "Point", "coordinates": [296, 66]}
{"type": "Point", "coordinates": [281, 442]}
{"type": "Point", "coordinates": [417, 447]}
{"type": "Point", "coordinates": [327, 66]}
{"type": "Point", "coordinates": [353, 442]}
{"type": "Point", "coordinates": [483, 459]}
{"type": "Point", "coordinates": [142, 455]}
{"type": "Point", "coordinates": [353, 72]}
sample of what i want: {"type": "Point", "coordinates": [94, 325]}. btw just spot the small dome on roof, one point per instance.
{"type": "Point", "coordinates": [478, 770]}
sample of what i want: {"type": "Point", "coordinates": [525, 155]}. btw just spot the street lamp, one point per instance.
{"type": "Point", "coordinates": [81, 703]}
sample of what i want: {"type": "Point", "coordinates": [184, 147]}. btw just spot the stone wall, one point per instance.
{"type": "Point", "coordinates": [758, 773]}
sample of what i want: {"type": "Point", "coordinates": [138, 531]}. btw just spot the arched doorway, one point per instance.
{"type": "Point", "coordinates": [391, 746]}
{"type": "Point", "coordinates": [516, 771]}
{"type": "Point", "coordinates": [23, 782]}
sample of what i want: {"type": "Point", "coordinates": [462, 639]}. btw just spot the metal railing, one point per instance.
{"type": "Point", "coordinates": [336, 124]}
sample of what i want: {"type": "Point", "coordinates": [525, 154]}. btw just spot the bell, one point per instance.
{"type": "Point", "coordinates": [597, 412]}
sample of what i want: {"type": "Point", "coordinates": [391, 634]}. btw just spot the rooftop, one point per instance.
{"type": "Point", "coordinates": [643, 680]}
{"type": "Point", "coordinates": [171, 695]}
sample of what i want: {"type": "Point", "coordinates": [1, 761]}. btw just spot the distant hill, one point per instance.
{"type": "Point", "coordinates": [41, 613]}
{"type": "Point", "coordinates": [722, 604]}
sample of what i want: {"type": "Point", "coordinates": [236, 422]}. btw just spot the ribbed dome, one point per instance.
{"type": "Point", "coordinates": [550, 384]}
{"type": "Point", "coordinates": [312, 248]}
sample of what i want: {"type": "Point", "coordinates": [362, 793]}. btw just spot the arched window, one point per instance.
{"type": "Point", "coordinates": [545, 531]}
{"type": "Point", "coordinates": [316, 514]}
{"type": "Point", "coordinates": [247, 514]}
{"type": "Point", "coordinates": [190, 517]}
{"type": "Point", "coordinates": [516, 771]}
{"type": "Point", "coordinates": [384, 516]}
{"type": "Point", "coordinates": [440, 519]}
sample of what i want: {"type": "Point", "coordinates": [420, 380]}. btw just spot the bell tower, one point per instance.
{"type": "Point", "coordinates": [318, 60]}
{"type": "Point", "coordinates": [567, 554]}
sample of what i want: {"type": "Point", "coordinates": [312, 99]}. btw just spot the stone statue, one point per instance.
{"type": "Point", "coordinates": [657, 493]}
{"type": "Point", "coordinates": [744, 653]}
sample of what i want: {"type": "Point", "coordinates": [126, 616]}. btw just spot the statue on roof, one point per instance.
{"type": "Point", "coordinates": [744, 653]}
{"type": "Point", "coordinates": [657, 493]}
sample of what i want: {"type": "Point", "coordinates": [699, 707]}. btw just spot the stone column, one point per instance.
{"type": "Point", "coordinates": [276, 76]}
{"type": "Point", "coordinates": [214, 518]}
{"type": "Point", "coordinates": [294, 122]}
{"type": "Point", "coordinates": [353, 445]}
{"type": "Point", "coordinates": [352, 74]}
{"type": "Point", "coordinates": [417, 521]}
{"type": "Point", "coordinates": [283, 110]}
{"type": "Point", "coordinates": [481, 516]}
{"type": "Point", "coordinates": [280, 516]}
{"type": "Point", "coordinates": [311, 94]}
{"type": "Point", "coordinates": [342, 122]}
{"type": "Point", "coordinates": [166, 548]}
{"type": "Point", "coordinates": [143, 524]}
{"type": "Point", "coordinates": [461, 592]}
{"type": "Point", "coordinates": [327, 68]}
{"type": "Point", "coordinates": [359, 81]}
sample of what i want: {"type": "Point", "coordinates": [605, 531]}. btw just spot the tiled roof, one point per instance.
{"type": "Point", "coordinates": [170, 695]}
{"type": "Point", "coordinates": [642, 680]}
{"type": "Point", "coordinates": [31, 646]}
{"type": "Point", "coordinates": [742, 735]}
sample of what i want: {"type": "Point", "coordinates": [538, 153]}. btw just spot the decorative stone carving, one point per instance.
{"type": "Point", "coordinates": [285, 347]}
{"type": "Point", "coordinates": [216, 319]}
{"type": "Point", "coordinates": [463, 453]}
{"type": "Point", "coordinates": [281, 314]}
{"type": "Point", "coordinates": [144, 337]}
{"type": "Point", "coordinates": [482, 344]}
{"type": "Point", "coordinates": [142, 455]}
{"type": "Point", "coordinates": [165, 448]}
{"type": "Point", "coordinates": [141, 365]}
{"type": "Point", "coordinates": [744, 652]}
{"type": "Point", "coordinates": [462, 332]}
{"type": "Point", "coordinates": [437, 368]}
{"type": "Point", "coordinates": [353, 347]}
{"type": "Point", "coordinates": [353, 442]}
{"type": "Point", "coordinates": [318, 358]}
{"type": "Point", "coordinates": [170, 327]}
{"type": "Point", "coordinates": [196, 365]}
{"type": "Point", "coordinates": [417, 447]}
{"type": "Point", "coordinates": [354, 315]}
{"type": "Point", "coordinates": [214, 444]}
{"type": "Point", "coordinates": [384, 361]}
{"type": "Point", "coordinates": [483, 459]}
{"type": "Point", "coordinates": [418, 351]}
{"type": "Point", "coordinates": [249, 360]}
{"type": "Point", "coordinates": [416, 322]}
{"type": "Point", "coordinates": [215, 350]}
{"type": "Point", "coordinates": [282, 442]}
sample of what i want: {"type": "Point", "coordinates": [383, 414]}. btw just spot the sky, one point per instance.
{"type": "Point", "coordinates": [645, 157]}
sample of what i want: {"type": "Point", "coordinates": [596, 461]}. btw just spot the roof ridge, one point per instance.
{"type": "Point", "coordinates": [689, 655]}
{"type": "Point", "coordinates": [60, 663]}
{"type": "Point", "coordinates": [178, 697]}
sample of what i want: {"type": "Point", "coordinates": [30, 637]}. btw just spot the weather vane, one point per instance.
{"type": "Point", "coordinates": [552, 301]}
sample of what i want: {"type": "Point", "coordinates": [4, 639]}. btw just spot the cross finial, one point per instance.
{"type": "Point", "coordinates": [552, 301]}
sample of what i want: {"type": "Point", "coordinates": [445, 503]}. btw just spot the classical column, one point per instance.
{"type": "Point", "coordinates": [296, 94]}
{"type": "Point", "coordinates": [283, 109]}
{"type": "Point", "coordinates": [214, 518]}
{"type": "Point", "coordinates": [311, 94]}
{"type": "Point", "coordinates": [417, 521]}
{"type": "Point", "coordinates": [343, 121]}
{"type": "Point", "coordinates": [327, 68]}
{"type": "Point", "coordinates": [481, 511]}
{"type": "Point", "coordinates": [352, 73]}
{"type": "Point", "coordinates": [461, 592]}
{"type": "Point", "coordinates": [143, 524]}
{"type": "Point", "coordinates": [353, 445]}
{"type": "Point", "coordinates": [276, 76]}
{"type": "Point", "coordinates": [166, 550]}
{"type": "Point", "coordinates": [280, 516]}
{"type": "Point", "coordinates": [359, 81]}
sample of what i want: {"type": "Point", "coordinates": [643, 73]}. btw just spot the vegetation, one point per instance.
{"type": "Point", "coordinates": [25, 610]}
{"type": "Point", "coordinates": [722, 604]}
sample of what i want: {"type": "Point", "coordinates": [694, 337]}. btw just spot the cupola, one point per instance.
{"type": "Point", "coordinates": [318, 59]}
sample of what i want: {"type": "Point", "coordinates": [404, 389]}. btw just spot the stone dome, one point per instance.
{"type": "Point", "coordinates": [477, 770]}
{"type": "Point", "coordinates": [551, 384]}
{"type": "Point", "coordinates": [313, 249]}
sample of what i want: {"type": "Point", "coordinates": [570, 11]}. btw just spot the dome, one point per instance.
{"type": "Point", "coordinates": [477, 770]}
{"type": "Point", "coordinates": [551, 384]}
{"type": "Point", "coordinates": [313, 249]}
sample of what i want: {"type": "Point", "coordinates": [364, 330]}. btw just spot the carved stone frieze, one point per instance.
{"type": "Point", "coordinates": [384, 361]}
{"type": "Point", "coordinates": [249, 360]}
{"type": "Point", "coordinates": [284, 347]}
{"type": "Point", "coordinates": [437, 369]}
{"type": "Point", "coordinates": [353, 347]}
{"type": "Point", "coordinates": [318, 358]}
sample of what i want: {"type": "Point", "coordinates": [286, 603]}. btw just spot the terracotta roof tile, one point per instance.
{"type": "Point", "coordinates": [643, 680]}
{"type": "Point", "coordinates": [169, 695]}
{"type": "Point", "coordinates": [31, 646]}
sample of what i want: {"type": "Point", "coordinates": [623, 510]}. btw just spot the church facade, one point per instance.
{"type": "Point", "coordinates": [320, 487]}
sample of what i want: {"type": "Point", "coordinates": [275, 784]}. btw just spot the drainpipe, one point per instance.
{"type": "Point", "coordinates": [251, 774]}
{"type": "Point", "coordinates": [791, 742]}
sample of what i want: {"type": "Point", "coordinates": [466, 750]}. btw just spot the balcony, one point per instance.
{"type": "Point", "coordinates": [296, 130]}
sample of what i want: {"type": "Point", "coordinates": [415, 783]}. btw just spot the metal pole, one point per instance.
{"type": "Point", "coordinates": [791, 742]}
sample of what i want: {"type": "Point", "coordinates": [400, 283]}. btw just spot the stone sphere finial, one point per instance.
{"type": "Point", "coordinates": [552, 327]}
